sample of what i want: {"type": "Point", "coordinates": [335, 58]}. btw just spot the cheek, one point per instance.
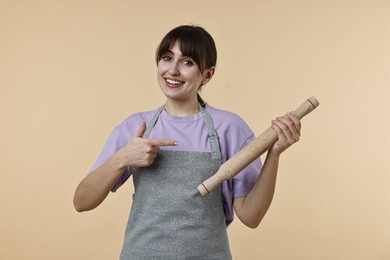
{"type": "Point", "coordinates": [193, 73]}
{"type": "Point", "coordinates": [160, 73]}
{"type": "Point", "coordinates": [159, 77]}
{"type": "Point", "coordinates": [160, 67]}
{"type": "Point", "coordinates": [198, 78]}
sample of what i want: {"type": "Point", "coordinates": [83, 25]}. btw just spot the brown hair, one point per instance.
{"type": "Point", "coordinates": [195, 42]}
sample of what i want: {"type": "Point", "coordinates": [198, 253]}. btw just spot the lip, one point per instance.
{"type": "Point", "coordinates": [170, 85]}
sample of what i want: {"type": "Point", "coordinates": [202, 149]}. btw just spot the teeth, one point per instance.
{"type": "Point", "coordinates": [170, 81]}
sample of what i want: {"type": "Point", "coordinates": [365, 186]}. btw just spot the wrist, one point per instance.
{"type": "Point", "coordinates": [117, 161]}
{"type": "Point", "coordinates": [272, 153]}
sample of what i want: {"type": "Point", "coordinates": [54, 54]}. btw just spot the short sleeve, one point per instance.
{"type": "Point", "coordinates": [115, 142]}
{"type": "Point", "coordinates": [240, 185]}
{"type": "Point", "coordinates": [246, 179]}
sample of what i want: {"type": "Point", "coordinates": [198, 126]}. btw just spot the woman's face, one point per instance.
{"type": "Point", "coordinates": [179, 76]}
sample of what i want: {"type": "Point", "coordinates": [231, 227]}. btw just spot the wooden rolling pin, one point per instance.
{"type": "Point", "coordinates": [251, 152]}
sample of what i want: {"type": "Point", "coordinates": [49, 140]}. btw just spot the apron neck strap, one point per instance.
{"type": "Point", "coordinates": [215, 150]}
{"type": "Point", "coordinates": [153, 122]}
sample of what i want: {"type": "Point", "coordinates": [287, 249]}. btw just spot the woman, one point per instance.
{"type": "Point", "coordinates": [171, 150]}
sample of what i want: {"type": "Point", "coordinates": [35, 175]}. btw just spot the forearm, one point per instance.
{"type": "Point", "coordinates": [252, 208]}
{"type": "Point", "coordinates": [139, 152]}
{"type": "Point", "coordinates": [95, 187]}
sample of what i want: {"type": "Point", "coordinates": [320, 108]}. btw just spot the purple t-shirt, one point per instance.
{"type": "Point", "coordinates": [191, 134]}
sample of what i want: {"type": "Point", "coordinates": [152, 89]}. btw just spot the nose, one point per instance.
{"type": "Point", "coordinates": [174, 68]}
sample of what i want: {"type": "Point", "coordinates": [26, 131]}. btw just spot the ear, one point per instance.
{"type": "Point", "coordinates": [208, 75]}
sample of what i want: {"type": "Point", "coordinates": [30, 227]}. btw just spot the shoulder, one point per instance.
{"type": "Point", "coordinates": [129, 126]}
{"type": "Point", "coordinates": [233, 132]}
{"type": "Point", "coordinates": [138, 117]}
{"type": "Point", "coordinates": [227, 121]}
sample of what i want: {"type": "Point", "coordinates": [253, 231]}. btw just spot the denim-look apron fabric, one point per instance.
{"type": "Point", "coordinates": [169, 219]}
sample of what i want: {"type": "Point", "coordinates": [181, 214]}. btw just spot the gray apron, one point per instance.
{"type": "Point", "coordinates": [169, 219]}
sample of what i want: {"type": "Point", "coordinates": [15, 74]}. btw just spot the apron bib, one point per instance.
{"type": "Point", "coordinates": [169, 219]}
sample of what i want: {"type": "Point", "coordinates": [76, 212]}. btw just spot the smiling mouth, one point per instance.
{"type": "Point", "coordinates": [173, 83]}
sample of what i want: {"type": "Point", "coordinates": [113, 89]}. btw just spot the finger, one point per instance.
{"type": "Point", "coordinates": [161, 142]}
{"type": "Point", "coordinates": [289, 126]}
{"type": "Point", "coordinates": [278, 127]}
{"type": "Point", "coordinates": [285, 134]}
{"type": "Point", "coordinates": [141, 130]}
{"type": "Point", "coordinates": [154, 149]}
{"type": "Point", "coordinates": [295, 120]}
{"type": "Point", "coordinates": [296, 127]}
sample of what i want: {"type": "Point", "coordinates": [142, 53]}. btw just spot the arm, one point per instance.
{"type": "Point", "coordinates": [139, 152]}
{"type": "Point", "coordinates": [95, 187]}
{"type": "Point", "coordinates": [252, 208]}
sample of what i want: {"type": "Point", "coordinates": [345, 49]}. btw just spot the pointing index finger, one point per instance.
{"type": "Point", "coordinates": [161, 142]}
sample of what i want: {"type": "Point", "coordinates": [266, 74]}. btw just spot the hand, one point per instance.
{"type": "Point", "coordinates": [288, 129]}
{"type": "Point", "coordinates": [141, 152]}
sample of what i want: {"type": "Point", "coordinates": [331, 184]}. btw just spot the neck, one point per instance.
{"type": "Point", "coordinates": [178, 108]}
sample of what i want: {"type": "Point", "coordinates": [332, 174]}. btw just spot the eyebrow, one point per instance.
{"type": "Point", "coordinates": [168, 51]}
{"type": "Point", "coordinates": [181, 55]}
{"type": "Point", "coordinates": [171, 52]}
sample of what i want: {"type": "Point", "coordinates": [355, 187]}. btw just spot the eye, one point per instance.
{"type": "Point", "coordinates": [166, 57]}
{"type": "Point", "coordinates": [188, 62]}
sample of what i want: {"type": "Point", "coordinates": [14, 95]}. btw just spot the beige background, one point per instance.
{"type": "Point", "coordinates": [72, 70]}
